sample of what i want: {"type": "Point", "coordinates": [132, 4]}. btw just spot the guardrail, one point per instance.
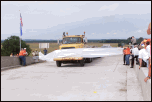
{"type": "Point", "coordinates": [10, 62]}
{"type": "Point", "coordinates": [142, 73]}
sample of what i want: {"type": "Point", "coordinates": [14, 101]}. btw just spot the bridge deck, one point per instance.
{"type": "Point", "coordinates": [105, 79]}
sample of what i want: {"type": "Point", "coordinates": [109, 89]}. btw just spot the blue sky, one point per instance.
{"type": "Point", "coordinates": [99, 19]}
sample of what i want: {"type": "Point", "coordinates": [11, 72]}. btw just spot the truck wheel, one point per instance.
{"type": "Point", "coordinates": [82, 63]}
{"type": "Point", "coordinates": [89, 60]}
{"type": "Point", "coordinates": [58, 63]}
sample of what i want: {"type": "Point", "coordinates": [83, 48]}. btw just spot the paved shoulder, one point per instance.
{"type": "Point", "coordinates": [104, 79]}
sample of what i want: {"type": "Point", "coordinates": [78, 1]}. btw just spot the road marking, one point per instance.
{"type": "Point", "coordinates": [94, 92]}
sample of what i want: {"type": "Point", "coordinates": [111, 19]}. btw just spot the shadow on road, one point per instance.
{"type": "Point", "coordinates": [94, 60]}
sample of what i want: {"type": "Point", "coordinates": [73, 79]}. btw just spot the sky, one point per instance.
{"type": "Point", "coordinates": [99, 19]}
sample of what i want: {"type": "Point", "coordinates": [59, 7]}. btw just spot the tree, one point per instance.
{"type": "Point", "coordinates": [119, 44]}
{"type": "Point", "coordinates": [140, 40]}
{"type": "Point", "coordinates": [128, 40]}
{"type": "Point", "coordinates": [12, 45]}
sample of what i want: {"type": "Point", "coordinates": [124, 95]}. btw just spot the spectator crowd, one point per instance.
{"type": "Point", "coordinates": [23, 53]}
{"type": "Point", "coordinates": [141, 52]}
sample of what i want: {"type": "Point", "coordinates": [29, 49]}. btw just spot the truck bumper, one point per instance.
{"type": "Point", "coordinates": [68, 58]}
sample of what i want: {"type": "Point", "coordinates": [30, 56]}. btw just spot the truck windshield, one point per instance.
{"type": "Point", "coordinates": [70, 40]}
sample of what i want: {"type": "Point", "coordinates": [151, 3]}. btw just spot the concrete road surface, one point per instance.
{"type": "Point", "coordinates": [105, 79]}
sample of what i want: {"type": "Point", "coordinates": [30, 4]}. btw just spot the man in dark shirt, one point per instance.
{"type": "Point", "coordinates": [45, 51]}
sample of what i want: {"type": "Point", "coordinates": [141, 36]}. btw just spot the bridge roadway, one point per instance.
{"type": "Point", "coordinates": [105, 79]}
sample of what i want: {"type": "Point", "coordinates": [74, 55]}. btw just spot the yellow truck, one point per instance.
{"type": "Point", "coordinates": [72, 42]}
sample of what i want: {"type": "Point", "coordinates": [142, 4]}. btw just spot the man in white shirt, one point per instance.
{"type": "Point", "coordinates": [143, 54]}
{"type": "Point", "coordinates": [33, 53]}
{"type": "Point", "coordinates": [135, 52]}
{"type": "Point", "coordinates": [149, 71]}
{"type": "Point", "coordinates": [148, 50]}
{"type": "Point", "coordinates": [36, 52]}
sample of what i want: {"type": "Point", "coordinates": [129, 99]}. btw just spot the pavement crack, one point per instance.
{"type": "Point", "coordinates": [116, 66]}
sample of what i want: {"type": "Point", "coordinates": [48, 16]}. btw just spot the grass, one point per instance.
{"type": "Point", "coordinates": [101, 44]}
{"type": "Point", "coordinates": [54, 46]}
{"type": "Point", "coordinates": [34, 46]}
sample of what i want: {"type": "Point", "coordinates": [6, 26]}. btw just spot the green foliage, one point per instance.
{"type": "Point", "coordinates": [119, 44]}
{"type": "Point", "coordinates": [12, 45]}
{"type": "Point", "coordinates": [128, 40]}
{"type": "Point", "coordinates": [140, 40]}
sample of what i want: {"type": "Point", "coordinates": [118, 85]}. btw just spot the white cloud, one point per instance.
{"type": "Point", "coordinates": [114, 33]}
{"type": "Point", "coordinates": [139, 31]}
{"type": "Point", "coordinates": [107, 33]}
{"type": "Point", "coordinates": [140, 2]}
{"type": "Point", "coordinates": [41, 14]}
{"type": "Point", "coordinates": [68, 9]}
{"type": "Point", "coordinates": [62, 11]}
{"type": "Point", "coordinates": [8, 16]}
{"type": "Point", "coordinates": [32, 31]}
{"type": "Point", "coordinates": [110, 7]}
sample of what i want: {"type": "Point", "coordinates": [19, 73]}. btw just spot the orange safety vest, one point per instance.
{"type": "Point", "coordinates": [124, 52]}
{"type": "Point", "coordinates": [21, 53]}
{"type": "Point", "coordinates": [127, 51]}
{"type": "Point", "coordinates": [24, 52]}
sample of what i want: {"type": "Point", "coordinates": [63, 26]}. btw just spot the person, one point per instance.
{"type": "Point", "coordinates": [131, 49]}
{"type": "Point", "coordinates": [15, 55]}
{"type": "Point", "coordinates": [45, 51]}
{"type": "Point", "coordinates": [36, 52]}
{"type": "Point", "coordinates": [134, 53]}
{"type": "Point", "coordinates": [133, 41]}
{"type": "Point", "coordinates": [149, 29]}
{"type": "Point", "coordinates": [149, 71]}
{"type": "Point", "coordinates": [127, 56]}
{"type": "Point", "coordinates": [143, 56]}
{"type": "Point", "coordinates": [24, 58]}
{"type": "Point", "coordinates": [21, 56]}
{"type": "Point", "coordinates": [147, 47]}
{"type": "Point", "coordinates": [33, 53]}
{"type": "Point", "coordinates": [132, 57]}
{"type": "Point", "coordinates": [11, 55]}
{"type": "Point", "coordinates": [124, 53]}
{"type": "Point", "coordinates": [143, 43]}
{"type": "Point", "coordinates": [63, 34]}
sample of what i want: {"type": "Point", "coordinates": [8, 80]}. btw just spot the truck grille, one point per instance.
{"type": "Point", "coordinates": [68, 48]}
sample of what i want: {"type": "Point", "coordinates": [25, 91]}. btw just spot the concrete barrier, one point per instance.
{"type": "Point", "coordinates": [7, 61]}
{"type": "Point", "coordinates": [142, 73]}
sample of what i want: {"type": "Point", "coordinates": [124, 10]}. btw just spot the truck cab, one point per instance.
{"type": "Point", "coordinates": [72, 42]}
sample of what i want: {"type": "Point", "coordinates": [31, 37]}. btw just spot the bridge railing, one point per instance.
{"type": "Point", "coordinates": [7, 61]}
{"type": "Point", "coordinates": [142, 73]}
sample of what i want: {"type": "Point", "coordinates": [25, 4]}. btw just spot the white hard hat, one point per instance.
{"type": "Point", "coordinates": [24, 48]}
